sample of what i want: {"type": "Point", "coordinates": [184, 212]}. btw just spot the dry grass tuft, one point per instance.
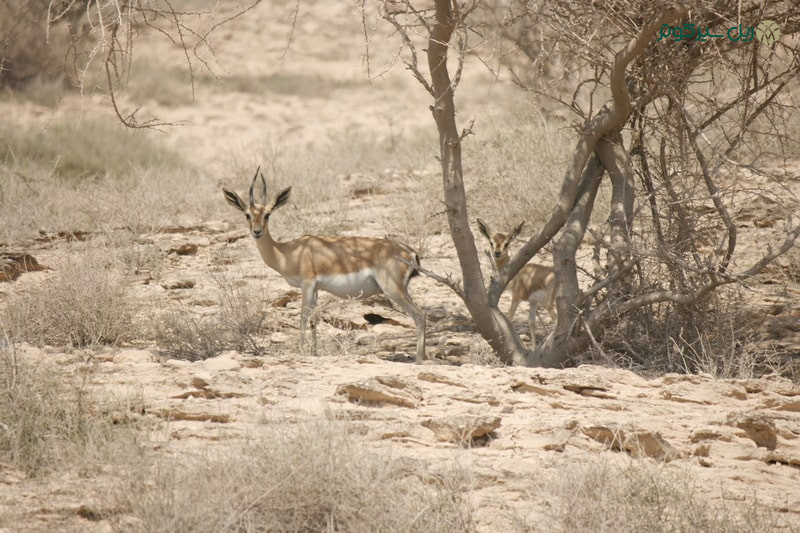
{"type": "Point", "coordinates": [50, 422]}
{"type": "Point", "coordinates": [82, 149]}
{"type": "Point", "coordinates": [420, 212]}
{"type": "Point", "coordinates": [311, 476]}
{"type": "Point", "coordinates": [239, 324]}
{"type": "Point", "coordinates": [84, 303]}
{"type": "Point", "coordinates": [514, 173]}
{"type": "Point", "coordinates": [640, 496]}
{"type": "Point", "coordinates": [94, 177]}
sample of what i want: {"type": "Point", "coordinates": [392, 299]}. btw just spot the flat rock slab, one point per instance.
{"type": "Point", "coordinates": [637, 442]}
{"type": "Point", "coordinates": [382, 390]}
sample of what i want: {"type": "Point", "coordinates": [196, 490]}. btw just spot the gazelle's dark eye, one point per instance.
{"type": "Point", "coordinates": [247, 216]}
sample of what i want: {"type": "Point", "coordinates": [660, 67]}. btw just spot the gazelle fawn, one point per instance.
{"type": "Point", "coordinates": [534, 283]}
{"type": "Point", "coordinates": [348, 267]}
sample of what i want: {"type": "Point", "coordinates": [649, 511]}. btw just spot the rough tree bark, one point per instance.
{"type": "Point", "coordinates": [492, 324]}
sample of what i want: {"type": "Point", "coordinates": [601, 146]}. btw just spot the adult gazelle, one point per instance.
{"type": "Point", "coordinates": [348, 267]}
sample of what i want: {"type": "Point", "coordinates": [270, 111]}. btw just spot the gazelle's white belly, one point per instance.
{"type": "Point", "coordinates": [353, 285]}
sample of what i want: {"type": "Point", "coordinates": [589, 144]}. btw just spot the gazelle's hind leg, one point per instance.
{"type": "Point", "coordinates": [398, 294]}
{"type": "Point", "coordinates": [309, 290]}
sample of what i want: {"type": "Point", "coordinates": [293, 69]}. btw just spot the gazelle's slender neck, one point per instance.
{"type": "Point", "coordinates": [270, 250]}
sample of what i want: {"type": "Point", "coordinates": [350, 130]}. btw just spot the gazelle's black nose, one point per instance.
{"type": "Point", "coordinates": [498, 254]}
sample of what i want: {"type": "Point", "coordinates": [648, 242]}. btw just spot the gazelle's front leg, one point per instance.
{"type": "Point", "coordinates": [513, 309]}
{"type": "Point", "coordinates": [532, 322]}
{"type": "Point", "coordinates": [309, 290]}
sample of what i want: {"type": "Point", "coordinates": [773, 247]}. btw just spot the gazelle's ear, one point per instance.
{"type": "Point", "coordinates": [282, 198]}
{"type": "Point", "coordinates": [516, 232]}
{"type": "Point", "coordinates": [234, 199]}
{"type": "Point", "coordinates": [484, 229]}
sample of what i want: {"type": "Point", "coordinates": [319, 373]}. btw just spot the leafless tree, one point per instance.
{"type": "Point", "coordinates": [691, 110]}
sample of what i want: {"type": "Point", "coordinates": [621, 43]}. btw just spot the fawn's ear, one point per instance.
{"type": "Point", "coordinates": [234, 199]}
{"type": "Point", "coordinates": [516, 232]}
{"type": "Point", "coordinates": [484, 229]}
{"type": "Point", "coordinates": [282, 198]}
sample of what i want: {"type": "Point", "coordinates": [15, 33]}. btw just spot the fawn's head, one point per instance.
{"type": "Point", "coordinates": [499, 242]}
{"type": "Point", "coordinates": [257, 215]}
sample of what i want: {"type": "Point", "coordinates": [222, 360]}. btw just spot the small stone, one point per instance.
{"type": "Point", "coordinates": [133, 357]}
{"type": "Point", "coordinates": [639, 443]}
{"type": "Point", "coordinates": [434, 377]}
{"type": "Point", "coordinates": [365, 338]}
{"type": "Point", "coordinates": [221, 363]}
{"type": "Point", "coordinates": [200, 381]}
{"type": "Point", "coordinates": [757, 427]}
{"type": "Point", "coordinates": [701, 434]}
{"type": "Point", "coordinates": [702, 450]}
{"type": "Point", "coordinates": [465, 429]}
{"type": "Point", "coordinates": [12, 265]}
{"type": "Point", "coordinates": [649, 444]}
{"type": "Point", "coordinates": [178, 284]}
{"type": "Point", "coordinates": [184, 249]}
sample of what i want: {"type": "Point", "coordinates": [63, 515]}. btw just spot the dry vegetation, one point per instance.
{"type": "Point", "coordinates": [105, 209]}
{"type": "Point", "coordinates": [84, 303]}
{"type": "Point", "coordinates": [606, 495]}
{"type": "Point", "coordinates": [308, 476]}
{"type": "Point", "coordinates": [52, 422]}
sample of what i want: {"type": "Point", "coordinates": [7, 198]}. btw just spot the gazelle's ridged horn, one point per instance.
{"type": "Point", "coordinates": [252, 184]}
{"type": "Point", "coordinates": [263, 186]}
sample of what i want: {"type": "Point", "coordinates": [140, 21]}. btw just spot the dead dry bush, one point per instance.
{"type": "Point", "coordinates": [711, 335]}
{"type": "Point", "coordinates": [605, 496]}
{"type": "Point", "coordinates": [50, 421]}
{"type": "Point", "coordinates": [85, 302]}
{"type": "Point", "coordinates": [29, 50]}
{"type": "Point", "coordinates": [310, 476]}
{"type": "Point", "coordinates": [240, 323]}
{"type": "Point", "coordinates": [517, 161]}
{"type": "Point", "coordinates": [418, 212]}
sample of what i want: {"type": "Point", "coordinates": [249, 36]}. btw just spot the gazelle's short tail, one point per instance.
{"type": "Point", "coordinates": [415, 271]}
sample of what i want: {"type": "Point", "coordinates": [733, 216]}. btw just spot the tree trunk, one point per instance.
{"type": "Point", "coordinates": [564, 341]}
{"type": "Point", "coordinates": [490, 322]}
